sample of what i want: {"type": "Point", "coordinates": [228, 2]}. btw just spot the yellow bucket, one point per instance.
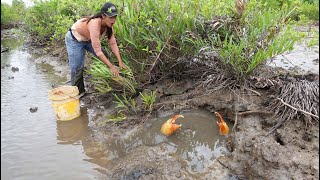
{"type": "Point", "coordinates": [65, 102]}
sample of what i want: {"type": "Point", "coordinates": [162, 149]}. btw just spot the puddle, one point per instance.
{"type": "Point", "coordinates": [198, 141]}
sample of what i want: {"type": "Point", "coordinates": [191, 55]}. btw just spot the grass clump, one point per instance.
{"type": "Point", "coordinates": [125, 103]}
{"type": "Point", "coordinates": [148, 100]}
{"type": "Point", "coordinates": [106, 82]}
{"type": "Point", "coordinates": [251, 35]}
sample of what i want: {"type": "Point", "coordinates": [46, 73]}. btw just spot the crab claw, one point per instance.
{"type": "Point", "coordinates": [169, 126]}
{"type": "Point", "coordinates": [174, 118]}
{"type": "Point", "coordinates": [224, 129]}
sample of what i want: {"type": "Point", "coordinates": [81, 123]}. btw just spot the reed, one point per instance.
{"type": "Point", "coordinates": [106, 82]}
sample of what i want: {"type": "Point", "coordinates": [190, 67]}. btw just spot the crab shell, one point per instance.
{"type": "Point", "coordinates": [169, 126]}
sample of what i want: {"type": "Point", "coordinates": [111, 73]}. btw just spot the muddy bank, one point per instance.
{"type": "Point", "coordinates": [290, 152]}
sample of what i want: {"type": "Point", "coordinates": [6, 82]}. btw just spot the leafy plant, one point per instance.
{"type": "Point", "coordinates": [254, 35]}
{"type": "Point", "coordinates": [117, 117]}
{"type": "Point", "coordinates": [306, 11]}
{"type": "Point", "coordinates": [152, 34]}
{"type": "Point", "coordinates": [125, 104]}
{"type": "Point", "coordinates": [105, 81]}
{"type": "Point", "coordinates": [12, 13]}
{"type": "Point", "coordinates": [148, 100]}
{"type": "Point", "coordinates": [315, 39]}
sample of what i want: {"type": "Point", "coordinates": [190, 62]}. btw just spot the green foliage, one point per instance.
{"type": "Point", "coordinates": [157, 32]}
{"type": "Point", "coordinates": [105, 81]}
{"type": "Point", "coordinates": [160, 29]}
{"type": "Point", "coordinates": [309, 10]}
{"type": "Point", "coordinates": [18, 8]}
{"type": "Point", "coordinates": [306, 9]}
{"type": "Point", "coordinates": [278, 4]}
{"type": "Point", "coordinates": [117, 117]}
{"type": "Point", "coordinates": [315, 38]}
{"type": "Point", "coordinates": [259, 35]}
{"type": "Point", "coordinates": [148, 100]}
{"type": "Point", "coordinates": [14, 13]}
{"type": "Point", "coordinates": [125, 103]}
{"type": "Point", "coordinates": [51, 19]}
{"type": "Point", "coordinates": [5, 14]}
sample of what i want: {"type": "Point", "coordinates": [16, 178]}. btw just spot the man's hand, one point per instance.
{"type": "Point", "coordinates": [122, 65]}
{"type": "Point", "coordinates": [115, 71]}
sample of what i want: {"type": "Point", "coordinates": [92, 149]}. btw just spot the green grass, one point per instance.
{"type": "Point", "coordinates": [106, 82]}
{"type": "Point", "coordinates": [153, 34]}
{"type": "Point", "coordinates": [148, 99]}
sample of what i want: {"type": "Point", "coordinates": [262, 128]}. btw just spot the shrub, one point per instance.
{"type": "Point", "coordinates": [252, 36]}
{"type": "Point", "coordinates": [12, 14]}
{"type": "Point", "coordinates": [50, 20]}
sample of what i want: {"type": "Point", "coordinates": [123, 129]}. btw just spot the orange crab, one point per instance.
{"type": "Point", "coordinates": [169, 127]}
{"type": "Point", "coordinates": [224, 129]}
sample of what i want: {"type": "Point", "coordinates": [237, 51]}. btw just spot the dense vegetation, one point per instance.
{"type": "Point", "coordinates": [155, 34]}
{"type": "Point", "coordinates": [12, 13]}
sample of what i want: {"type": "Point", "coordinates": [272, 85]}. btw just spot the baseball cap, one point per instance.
{"type": "Point", "coordinates": [109, 9]}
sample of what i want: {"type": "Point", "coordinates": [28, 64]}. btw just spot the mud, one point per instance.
{"type": "Point", "coordinates": [290, 152]}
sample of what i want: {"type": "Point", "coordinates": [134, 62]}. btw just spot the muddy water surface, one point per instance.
{"type": "Point", "coordinates": [31, 141]}
{"type": "Point", "coordinates": [198, 141]}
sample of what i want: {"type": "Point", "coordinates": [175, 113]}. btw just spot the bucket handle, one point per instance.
{"type": "Point", "coordinates": [72, 97]}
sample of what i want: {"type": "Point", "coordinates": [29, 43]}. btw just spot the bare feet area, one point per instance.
{"type": "Point", "coordinates": [259, 147]}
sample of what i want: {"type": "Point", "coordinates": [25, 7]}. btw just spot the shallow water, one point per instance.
{"type": "Point", "coordinates": [31, 142]}
{"type": "Point", "coordinates": [198, 140]}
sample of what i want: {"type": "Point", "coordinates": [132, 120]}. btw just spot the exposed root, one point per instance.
{"type": "Point", "coordinates": [296, 99]}
{"type": "Point", "coordinates": [222, 164]}
{"type": "Point", "coordinates": [254, 112]}
{"type": "Point", "coordinates": [256, 92]}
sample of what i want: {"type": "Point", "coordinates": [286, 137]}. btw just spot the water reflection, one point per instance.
{"type": "Point", "coordinates": [72, 132]}
{"type": "Point", "coordinates": [77, 132]}
{"type": "Point", "coordinates": [198, 141]}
